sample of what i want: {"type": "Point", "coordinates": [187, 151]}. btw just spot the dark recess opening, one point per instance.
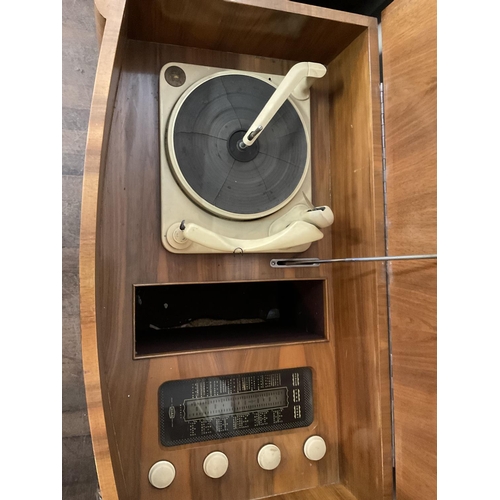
{"type": "Point", "coordinates": [364, 7]}
{"type": "Point", "coordinates": [193, 317]}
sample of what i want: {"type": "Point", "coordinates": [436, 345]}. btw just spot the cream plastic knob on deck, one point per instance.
{"type": "Point", "coordinates": [215, 464]}
{"type": "Point", "coordinates": [269, 457]}
{"type": "Point", "coordinates": [315, 448]}
{"type": "Point", "coordinates": [161, 474]}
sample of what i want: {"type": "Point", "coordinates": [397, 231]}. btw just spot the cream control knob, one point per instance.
{"type": "Point", "coordinates": [315, 448]}
{"type": "Point", "coordinates": [269, 457]}
{"type": "Point", "coordinates": [216, 464]}
{"type": "Point", "coordinates": [161, 474]}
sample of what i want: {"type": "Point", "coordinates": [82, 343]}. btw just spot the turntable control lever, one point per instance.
{"type": "Point", "coordinates": [296, 82]}
{"type": "Point", "coordinates": [319, 216]}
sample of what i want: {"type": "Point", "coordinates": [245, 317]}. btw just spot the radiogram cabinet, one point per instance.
{"type": "Point", "coordinates": [358, 340]}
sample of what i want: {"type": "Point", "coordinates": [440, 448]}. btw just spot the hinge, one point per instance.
{"type": "Point", "coordinates": [384, 177]}
{"type": "Point", "coordinates": [384, 158]}
{"type": "Point", "coordinates": [393, 436]}
{"type": "Point", "coordinates": [382, 120]}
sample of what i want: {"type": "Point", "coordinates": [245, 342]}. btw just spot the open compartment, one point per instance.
{"type": "Point", "coordinates": [175, 318]}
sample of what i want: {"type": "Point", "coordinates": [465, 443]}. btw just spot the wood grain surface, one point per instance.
{"type": "Point", "coordinates": [270, 28]}
{"type": "Point", "coordinates": [121, 230]}
{"type": "Point", "coordinates": [409, 59]}
{"type": "Point", "coordinates": [360, 289]}
{"type": "Point", "coordinates": [331, 492]}
{"type": "Point", "coordinates": [99, 121]}
{"type": "Point", "coordinates": [130, 252]}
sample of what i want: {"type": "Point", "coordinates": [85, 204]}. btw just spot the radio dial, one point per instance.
{"type": "Point", "coordinates": [216, 464]}
{"type": "Point", "coordinates": [269, 457]}
{"type": "Point", "coordinates": [161, 474]}
{"type": "Point", "coordinates": [315, 448]}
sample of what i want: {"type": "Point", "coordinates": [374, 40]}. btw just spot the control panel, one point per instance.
{"type": "Point", "coordinates": [211, 408]}
{"type": "Point", "coordinates": [217, 463]}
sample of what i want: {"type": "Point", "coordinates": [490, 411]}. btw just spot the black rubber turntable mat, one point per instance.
{"type": "Point", "coordinates": [210, 122]}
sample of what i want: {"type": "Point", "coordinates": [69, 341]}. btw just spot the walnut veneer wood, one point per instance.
{"type": "Point", "coordinates": [270, 28]}
{"type": "Point", "coordinates": [130, 252]}
{"type": "Point", "coordinates": [359, 289]}
{"type": "Point", "coordinates": [100, 117]}
{"type": "Point", "coordinates": [121, 247]}
{"type": "Point", "coordinates": [409, 58]}
{"type": "Point", "coordinates": [331, 492]}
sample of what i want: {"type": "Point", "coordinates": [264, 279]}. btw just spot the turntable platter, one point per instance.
{"type": "Point", "coordinates": [202, 135]}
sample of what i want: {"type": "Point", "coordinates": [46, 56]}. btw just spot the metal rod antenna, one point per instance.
{"type": "Point", "coordinates": [314, 262]}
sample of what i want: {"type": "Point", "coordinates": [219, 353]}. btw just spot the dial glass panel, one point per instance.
{"type": "Point", "coordinates": [210, 408]}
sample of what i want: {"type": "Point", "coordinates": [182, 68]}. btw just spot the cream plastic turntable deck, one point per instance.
{"type": "Point", "coordinates": [176, 206]}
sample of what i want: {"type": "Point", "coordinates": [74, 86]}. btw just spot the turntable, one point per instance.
{"type": "Point", "coordinates": [236, 160]}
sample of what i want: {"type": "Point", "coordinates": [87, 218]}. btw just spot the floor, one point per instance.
{"type": "Point", "coordinates": [79, 60]}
